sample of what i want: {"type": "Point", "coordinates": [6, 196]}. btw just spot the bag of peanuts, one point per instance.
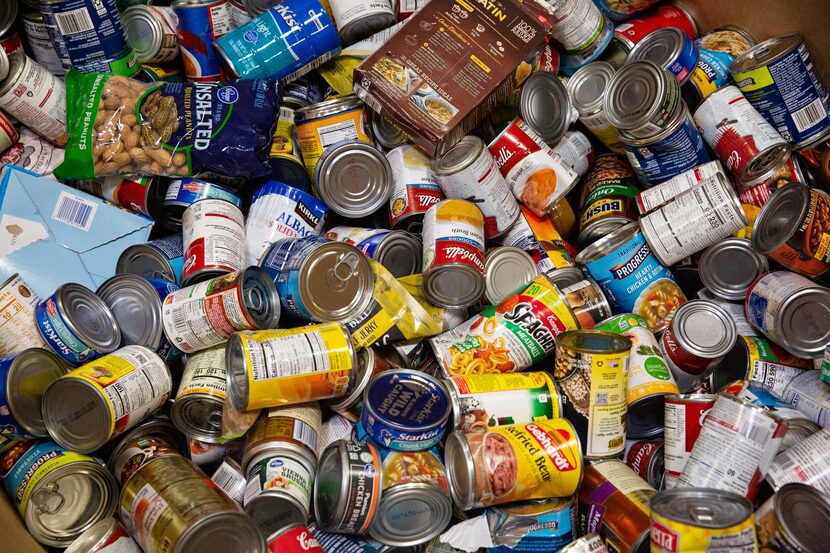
{"type": "Point", "coordinates": [120, 126]}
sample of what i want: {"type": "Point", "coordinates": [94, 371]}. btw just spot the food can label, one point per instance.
{"type": "Point", "coordinates": [185, 192]}
{"type": "Point", "coordinates": [366, 240]}
{"type": "Point", "coordinates": [633, 31]}
{"type": "Point", "coordinates": [39, 102]}
{"type": "Point", "coordinates": [618, 477]}
{"type": "Point", "coordinates": [404, 467]}
{"type": "Point", "coordinates": [337, 427]}
{"type": "Point", "coordinates": [766, 296]}
{"type": "Point", "coordinates": [671, 536]}
{"type": "Point", "coordinates": [204, 374]}
{"type": "Point", "coordinates": [199, 27]}
{"type": "Point", "coordinates": [58, 336]}
{"type": "Point", "coordinates": [317, 134]}
{"type": "Point", "coordinates": [297, 423]}
{"type": "Point", "coordinates": [349, 11]}
{"type": "Point", "coordinates": [683, 421]}
{"type": "Point", "coordinates": [771, 366]}
{"type": "Point", "coordinates": [231, 480]}
{"type": "Point", "coordinates": [18, 330]}
{"type": "Point", "coordinates": [415, 187]}
{"type": "Point", "coordinates": [610, 176]}
{"type": "Point", "coordinates": [539, 237]}
{"type": "Point", "coordinates": [804, 462]}
{"type": "Point", "coordinates": [601, 127]}
{"type": "Point", "coordinates": [547, 531]}
{"type": "Point", "coordinates": [169, 45]}
{"type": "Point", "coordinates": [578, 24]}
{"type": "Point", "coordinates": [238, 14]}
{"type": "Point", "coordinates": [283, 474]}
{"type": "Point", "coordinates": [808, 394]}
{"type": "Point", "coordinates": [128, 193]}
{"type": "Point", "coordinates": [296, 540]}
{"type": "Point", "coordinates": [712, 71]}
{"type": "Point", "coordinates": [213, 233]}
{"type": "Point", "coordinates": [453, 234]}
{"type": "Point", "coordinates": [657, 196]}
{"type": "Point", "coordinates": [285, 143]}
{"type": "Point", "coordinates": [499, 399]}
{"type": "Point", "coordinates": [807, 251]}
{"type": "Point", "coordinates": [508, 337]}
{"type": "Point", "coordinates": [365, 483]}
{"type": "Point", "coordinates": [639, 455]}
{"type": "Point", "coordinates": [40, 44]}
{"type": "Point", "coordinates": [137, 454]}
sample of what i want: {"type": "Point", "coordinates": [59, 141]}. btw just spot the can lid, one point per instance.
{"type": "Point", "coordinates": [600, 228]}
{"type": "Point", "coordinates": [804, 515]}
{"type": "Point", "coordinates": [236, 373]}
{"type": "Point", "coordinates": [780, 217]}
{"type": "Point", "coordinates": [331, 486]}
{"type": "Point", "coordinates": [765, 164]}
{"type": "Point", "coordinates": [703, 507]}
{"type": "Point", "coordinates": [455, 285]}
{"type": "Point", "coordinates": [353, 178]}
{"type": "Point", "coordinates": [136, 306]}
{"type": "Point", "coordinates": [8, 15]}
{"type": "Point", "coordinates": [704, 328]}
{"type": "Point", "coordinates": [199, 416]}
{"type": "Point", "coordinates": [461, 476]}
{"type": "Point", "coordinates": [545, 107]}
{"type": "Point", "coordinates": [329, 107]}
{"type": "Point", "coordinates": [145, 260]}
{"type": "Point", "coordinates": [386, 134]}
{"type": "Point", "coordinates": [566, 276]}
{"type": "Point", "coordinates": [366, 26]}
{"type": "Point", "coordinates": [95, 538]}
{"type": "Point", "coordinates": [662, 46]}
{"type": "Point", "coordinates": [765, 53]}
{"type": "Point", "coordinates": [586, 88]}
{"type": "Point", "coordinates": [4, 64]}
{"type": "Point", "coordinates": [635, 94]}
{"type": "Point", "coordinates": [593, 341]}
{"type": "Point", "coordinates": [608, 244]}
{"type": "Point", "coordinates": [88, 317]}
{"type": "Point", "coordinates": [506, 270]}
{"type": "Point", "coordinates": [804, 321]}
{"type": "Point", "coordinates": [428, 403]}
{"type": "Point", "coordinates": [729, 268]}
{"type": "Point", "coordinates": [30, 373]}
{"type": "Point", "coordinates": [364, 371]}
{"type": "Point", "coordinates": [260, 300]}
{"type": "Point", "coordinates": [143, 31]}
{"type": "Point", "coordinates": [459, 157]}
{"type": "Point", "coordinates": [400, 252]}
{"type": "Point", "coordinates": [411, 514]}
{"type": "Point", "coordinates": [229, 530]}
{"type": "Point", "coordinates": [336, 282]}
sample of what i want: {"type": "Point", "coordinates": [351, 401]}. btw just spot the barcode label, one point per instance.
{"type": "Point", "coordinates": [180, 323]}
{"type": "Point", "coordinates": [784, 463]}
{"type": "Point", "coordinates": [760, 434]}
{"type": "Point", "coordinates": [230, 480]}
{"type": "Point", "coordinates": [73, 22]}
{"type": "Point", "coordinates": [74, 211]}
{"type": "Point", "coordinates": [304, 433]}
{"type": "Point", "coordinates": [808, 116]}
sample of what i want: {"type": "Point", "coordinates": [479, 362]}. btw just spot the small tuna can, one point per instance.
{"type": "Point", "coordinates": [256, 378]}
{"type": "Point", "coordinates": [201, 23]}
{"type": "Point", "coordinates": [58, 493]}
{"type": "Point", "coordinates": [453, 256]}
{"type": "Point", "coordinates": [17, 310]}
{"type": "Point", "coordinates": [353, 178]}
{"type": "Point", "coordinates": [213, 234]}
{"type": "Point", "coordinates": [671, 49]}
{"type": "Point", "coordinates": [369, 363]}
{"type": "Point", "coordinates": [347, 488]}
{"type": "Point", "coordinates": [206, 314]}
{"type": "Point", "coordinates": [105, 536]}
{"type": "Point", "coordinates": [43, 106]}
{"type": "Point", "coordinates": [588, 302]}
{"type": "Point", "coordinates": [506, 269]}
{"type": "Point", "coordinates": [793, 519]}
{"type": "Point", "coordinates": [231, 479]}
{"type": "Point", "coordinates": [728, 268]}
{"type": "Point", "coordinates": [645, 457]}
{"type": "Point", "coordinates": [152, 32]}
{"type": "Point", "coordinates": [92, 404]}
{"type": "Point", "coordinates": [197, 408]}
{"type": "Point", "coordinates": [320, 280]}
{"type": "Point", "coordinates": [414, 188]}
{"type": "Point", "coordinates": [405, 410]}
{"type": "Point", "coordinates": [691, 520]}
{"type": "Point", "coordinates": [642, 99]}
{"type": "Point", "coordinates": [397, 250]}
{"type": "Point", "coordinates": [359, 19]}
{"type": "Point", "coordinates": [162, 258]}
{"type": "Point", "coordinates": [182, 193]}
{"type": "Point", "coordinates": [544, 94]}
{"type": "Point", "coordinates": [76, 324]}
{"type": "Point", "coordinates": [297, 538]}
{"type": "Point", "coordinates": [24, 377]}
{"type": "Point", "coordinates": [551, 524]}
{"type": "Point", "coordinates": [586, 90]}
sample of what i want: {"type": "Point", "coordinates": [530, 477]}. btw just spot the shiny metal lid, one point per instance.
{"type": "Point", "coordinates": [728, 268]}
{"type": "Point", "coordinates": [765, 164]}
{"type": "Point", "coordinates": [88, 317]}
{"type": "Point", "coordinates": [222, 531]}
{"type": "Point", "coordinates": [662, 46]}
{"type": "Point", "coordinates": [454, 285]}
{"type": "Point", "coordinates": [459, 157]}
{"type": "Point", "coordinates": [410, 514]}
{"type": "Point", "coordinates": [17, 62]}
{"type": "Point", "coordinates": [367, 25]}
{"type": "Point", "coordinates": [237, 372]}
{"type": "Point", "coordinates": [136, 306]}
{"type": "Point", "coordinates": [702, 507]}
{"type": "Point", "coordinates": [506, 270]}
{"type": "Point", "coordinates": [8, 15]}
{"type": "Point", "coordinates": [336, 282]}
{"type": "Point", "coordinates": [597, 229]}
{"type": "Point", "coordinates": [354, 179]}
{"type": "Point", "coordinates": [28, 376]}
{"type": "Point", "coordinates": [586, 88]}
{"type": "Point", "coordinates": [637, 94]}
{"type": "Point", "coordinates": [802, 322]}
{"type": "Point", "coordinates": [644, 417]}
{"type": "Point", "coordinates": [363, 372]}
{"type": "Point", "coordinates": [545, 107]}
{"type": "Point", "coordinates": [96, 537]}
{"type": "Point", "coordinates": [329, 107]}
{"type": "Point", "coordinates": [766, 52]}
{"type": "Point", "coordinates": [199, 416]}
{"type": "Point", "coordinates": [780, 217]}
{"type": "Point", "coordinates": [385, 133]}
{"type": "Point", "coordinates": [144, 32]}
{"type": "Point", "coordinates": [461, 474]}
{"type": "Point", "coordinates": [260, 300]}
{"type": "Point", "coordinates": [704, 328]}
{"type": "Point", "coordinates": [608, 244]}
{"type": "Point", "coordinates": [331, 486]}
{"type": "Point", "coordinates": [146, 260]}
{"type": "Point", "coordinates": [400, 252]}
{"type": "Point", "coordinates": [566, 276]}
{"type": "Point", "coordinates": [803, 514]}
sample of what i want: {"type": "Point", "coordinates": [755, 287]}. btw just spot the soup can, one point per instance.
{"type": "Point", "coordinates": [804, 462]}
{"type": "Point", "coordinates": [780, 527]}
{"type": "Point", "coordinates": [297, 538]}
{"type": "Point", "coordinates": [643, 99]}
{"type": "Point", "coordinates": [152, 32]}
{"type": "Point", "coordinates": [17, 310]}
{"type": "Point", "coordinates": [616, 260]}
{"type": "Point", "coordinates": [284, 42]}
{"type": "Point", "coordinates": [591, 368]}
{"type": "Point", "coordinates": [206, 314]}
{"type": "Point", "coordinates": [201, 23]}
{"type": "Point", "coordinates": [170, 505]}
{"type": "Point", "coordinates": [182, 193]}
{"type": "Point", "coordinates": [315, 362]}
{"type": "Point", "coordinates": [718, 49]}
{"type": "Point", "coordinates": [514, 462]}
{"type": "Point", "coordinates": [508, 337]}
{"type": "Point", "coordinates": [359, 19]}
{"type": "Point", "coordinates": [40, 43]}
{"type": "Point", "coordinates": [581, 16]}
{"type": "Point", "coordinates": [231, 479]}
{"type": "Point", "coordinates": [645, 457]}
{"type": "Point", "coordinates": [684, 417]}
{"type": "Point", "coordinates": [657, 196]}
{"type": "Point", "coordinates": [294, 424]}
{"type": "Point", "coordinates": [45, 481]}
{"type": "Point", "coordinates": [397, 250]}
{"type": "Point", "coordinates": [807, 393]}
{"type": "Point", "coordinates": [670, 48]}
{"type": "Point", "coordinates": [586, 90]}
{"type": "Point", "coordinates": [197, 408]}
{"type": "Point", "coordinates": [24, 377]}
{"type": "Point", "coordinates": [505, 270]}
{"type": "Point", "coordinates": [353, 178]}
{"type": "Point", "coordinates": [468, 170]}
{"type": "Point", "coordinates": [693, 520]}
{"type": "Point", "coordinates": [550, 524]}
{"type": "Point", "coordinates": [105, 536]}
{"type": "Point", "coordinates": [162, 258]}
{"type": "Point", "coordinates": [213, 233]}
{"type": "Point", "coordinates": [630, 32]}
{"type": "Point", "coordinates": [779, 79]}
{"type": "Point", "coordinates": [414, 188]}
{"type": "Point", "coordinates": [35, 97]}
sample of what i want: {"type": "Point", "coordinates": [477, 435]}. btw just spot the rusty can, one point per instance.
{"type": "Point", "coordinates": [213, 233]}
{"type": "Point", "coordinates": [683, 420]}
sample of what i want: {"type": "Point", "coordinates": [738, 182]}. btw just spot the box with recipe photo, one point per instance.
{"type": "Point", "coordinates": [448, 66]}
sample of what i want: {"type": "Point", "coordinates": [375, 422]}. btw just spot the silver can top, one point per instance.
{"type": "Point", "coordinates": [229, 530]}
{"type": "Point", "coordinates": [641, 94]}
{"type": "Point", "coordinates": [597, 229]}
{"type": "Point", "coordinates": [780, 217]}
{"type": "Point", "coordinates": [566, 276]}
{"type": "Point", "coordinates": [454, 285]}
{"type": "Point", "coordinates": [411, 514]}
{"type": "Point", "coordinates": [506, 270]}
{"type": "Point", "coordinates": [354, 179]}
{"type": "Point", "coordinates": [766, 164]}
{"type": "Point", "coordinates": [260, 300]}
{"type": "Point", "coordinates": [336, 282]}
{"type": "Point", "coordinates": [143, 30]}
{"type": "Point", "coordinates": [703, 328]}
{"type": "Point", "coordinates": [400, 252]}
{"type": "Point", "coordinates": [386, 134]}
{"type": "Point", "coordinates": [28, 376]}
{"type": "Point", "coordinates": [766, 52]}
{"type": "Point", "coordinates": [728, 268]}
{"type": "Point", "coordinates": [803, 514]}
{"type": "Point", "coordinates": [608, 244]}
{"type": "Point", "coordinates": [803, 321]}
{"type": "Point", "coordinates": [586, 88]}
{"type": "Point", "coordinates": [662, 46]}
{"type": "Point", "coordinates": [702, 507]}
{"type": "Point", "coordinates": [461, 472]}
{"type": "Point", "coordinates": [147, 260]}
{"type": "Point", "coordinates": [136, 306]}
{"type": "Point", "coordinates": [459, 157]}
{"type": "Point", "coordinates": [327, 108]}
{"type": "Point", "coordinates": [545, 107]}
{"type": "Point", "coordinates": [88, 317]}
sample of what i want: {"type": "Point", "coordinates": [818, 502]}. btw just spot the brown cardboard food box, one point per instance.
{"type": "Point", "coordinates": [762, 18]}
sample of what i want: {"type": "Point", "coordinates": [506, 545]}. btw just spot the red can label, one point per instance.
{"type": "Point", "coordinates": [683, 422]}
{"type": "Point", "coordinates": [454, 233]}
{"type": "Point", "coordinates": [295, 540]}
{"type": "Point", "coordinates": [415, 188]}
{"type": "Point", "coordinates": [640, 454]}
{"type": "Point", "coordinates": [214, 238]}
{"type": "Point", "coordinates": [634, 30]}
{"type": "Point", "coordinates": [682, 358]}
{"type": "Point", "coordinates": [12, 44]}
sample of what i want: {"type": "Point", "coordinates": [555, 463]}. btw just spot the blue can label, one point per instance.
{"type": "Point", "coordinates": [711, 71]}
{"type": "Point", "coordinates": [686, 60]}
{"type": "Point", "coordinates": [548, 531]}
{"type": "Point", "coordinates": [183, 192]}
{"type": "Point", "coordinates": [10, 430]}
{"type": "Point", "coordinates": [199, 27]}
{"type": "Point", "coordinates": [620, 11]}
{"type": "Point", "coordinates": [283, 42]}
{"type": "Point", "coordinates": [283, 262]}
{"type": "Point", "coordinates": [172, 248]}
{"type": "Point", "coordinates": [57, 335]}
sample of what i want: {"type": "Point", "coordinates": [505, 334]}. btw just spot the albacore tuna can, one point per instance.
{"type": "Point", "coordinates": [551, 523]}
{"type": "Point", "coordinates": [414, 188]}
{"type": "Point", "coordinates": [105, 536]}
{"type": "Point", "coordinates": [92, 404]}
{"type": "Point", "coordinates": [213, 234]}
{"type": "Point", "coordinates": [24, 376]}
{"type": "Point", "coordinates": [152, 32]}
{"type": "Point", "coordinates": [17, 311]}
{"type": "Point", "coordinates": [671, 49]}
{"type": "Point", "coordinates": [182, 193]}
{"type": "Point", "coordinates": [684, 417]}
{"type": "Point", "coordinates": [197, 409]}
{"type": "Point", "coordinates": [201, 23]}
{"type": "Point", "coordinates": [162, 258]}
{"type": "Point", "coordinates": [779, 79]}
{"type": "Point", "coordinates": [35, 97]}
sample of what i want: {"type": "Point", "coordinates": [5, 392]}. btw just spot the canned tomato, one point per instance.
{"type": "Point", "coordinates": [40, 43]}
{"type": "Point", "coordinates": [283, 367]}
{"type": "Point", "coordinates": [201, 23]}
{"type": "Point", "coordinates": [780, 528]}
{"type": "Point", "coordinates": [586, 90]}
{"type": "Point", "coordinates": [45, 481]}
{"type": "Point", "coordinates": [804, 462]}
{"type": "Point", "coordinates": [670, 48]}
{"type": "Point", "coordinates": [414, 188]}
{"type": "Point", "coordinates": [17, 311]}
{"type": "Point", "coordinates": [295, 539]}
{"type": "Point", "coordinates": [550, 523]}
{"type": "Point", "coordinates": [397, 250]}
{"type": "Point", "coordinates": [779, 79]}
{"type": "Point", "coordinates": [539, 237]}
{"type": "Point", "coordinates": [182, 193]}
{"type": "Point", "coordinates": [684, 417]}
{"type": "Point", "coordinates": [617, 261]}
{"type": "Point", "coordinates": [35, 97]}
{"type": "Point", "coordinates": [197, 409]}
{"type": "Point", "coordinates": [508, 337]}
{"type": "Point", "coordinates": [24, 376]}
{"type": "Point", "coordinates": [359, 19]}
{"type": "Point", "coordinates": [213, 234]}
{"type": "Point", "coordinates": [694, 520]}
{"type": "Point", "coordinates": [468, 170]}
{"type": "Point", "coordinates": [105, 536]}
{"type": "Point", "coordinates": [162, 258]}
{"type": "Point", "coordinates": [206, 314]}
{"type": "Point", "coordinates": [645, 457]}
{"type": "Point", "coordinates": [505, 270]}
{"type": "Point", "coordinates": [515, 462]}
{"type": "Point", "coordinates": [591, 368]}
{"type": "Point", "coordinates": [230, 478]}
{"type": "Point", "coordinates": [151, 32]}
{"type": "Point", "coordinates": [92, 404]}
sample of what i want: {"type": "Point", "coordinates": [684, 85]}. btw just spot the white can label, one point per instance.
{"type": "Point", "coordinates": [348, 11]}
{"type": "Point", "coordinates": [336, 428]}
{"type": "Point", "coordinates": [39, 102]}
{"type": "Point", "coordinates": [811, 396]}
{"type": "Point", "coordinates": [288, 355]}
{"type": "Point", "coordinates": [683, 422]}
{"type": "Point", "coordinates": [213, 232]}
{"type": "Point", "coordinates": [205, 373]}
{"type": "Point", "coordinates": [805, 462]}
{"type": "Point", "coordinates": [578, 23]}
{"type": "Point", "coordinates": [449, 237]}
{"type": "Point", "coordinates": [231, 480]}
{"type": "Point", "coordinates": [281, 473]}
{"type": "Point", "coordinates": [656, 196]}
{"type": "Point", "coordinates": [18, 330]}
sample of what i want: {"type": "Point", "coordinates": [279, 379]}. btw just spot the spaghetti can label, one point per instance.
{"type": "Point", "coordinates": [453, 233]}
{"type": "Point", "coordinates": [671, 536]}
{"type": "Point", "coordinates": [18, 330]}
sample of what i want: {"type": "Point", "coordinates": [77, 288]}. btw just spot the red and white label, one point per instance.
{"type": "Point", "coordinates": [663, 538]}
{"type": "Point", "coordinates": [682, 358]}
{"type": "Point", "coordinates": [295, 540]}
{"type": "Point", "coordinates": [451, 238]}
{"type": "Point", "coordinates": [214, 237]}
{"type": "Point", "coordinates": [683, 421]}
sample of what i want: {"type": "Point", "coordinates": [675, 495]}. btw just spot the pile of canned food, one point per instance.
{"type": "Point", "coordinates": [441, 276]}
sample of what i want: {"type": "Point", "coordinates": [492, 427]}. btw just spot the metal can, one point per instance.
{"type": "Point", "coordinates": [754, 435]}
{"type": "Point", "coordinates": [197, 409]}
{"type": "Point", "coordinates": [613, 501]}
{"type": "Point", "coordinates": [588, 302]}
{"type": "Point", "coordinates": [285, 157]}
{"type": "Point", "coordinates": [621, 12]}
{"type": "Point", "coordinates": [469, 171]}
{"type": "Point", "coordinates": [162, 258]}
{"type": "Point", "coordinates": [591, 543]}
{"type": "Point", "coordinates": [614, 262]}
{"type": "Point", "coordinates": [629, 33]}
{"type": "Point", "coordinates": [728, 268]}
{"type": "Point", "coordinates": [779, 79]}
{"type": "Point", "coordinates": [453, 254]}
{"type": "Point", "coordinates": [304, 91]}
{"type": "Point", "coordinates": [765, 364]}
{"type": "Point", "coordinates": [544, 106]}
{"type": "Point", "coordinates": [608, 199]}
{"type": "Point", "coordinates": [817, 159]}
{"type": "Point", "coordinates": [35, 97]}
{"type": "Point", "coordinates": [359, 19]}
{"type": "Point", "coordinates": [414, 188]}
{"type": "Point", "coordinates": [296, 425]}
{"type": "Point", "coordinates": [550, 524]}
{"type": "Point", "coordinates": [387, 135]}
{"type": "Point", "coordinates": [645, 457]}
{"type": "Point", "coordinates": [696, 520]}
{"type": "Point", "coordinates": [182, 193]}
{"type": "Point", "coordinates": [138, 448]}
{"type": "Point", "coordinates": [259, 378]}
{"type": "Point", "coordinates": [297, 538]}
{"type": "Point", "coordinates": [505, 270]}
{"type": "Point", "coordinates": [591, 368]}
{"type": "Point", "coordinates": [586, 90]}
{"type": "Point", "coordinates": [17, 311]}
{"type": "Point", "coordinates": [583, 31]}
{"type": "Point", "coordinates": [208, 456]}
{"type": "Point", "coordinates": [718, 49]}
{"type": "Point", "coordinates": [280, 211]}
{"type": "Point", "coordinates": [136, 193]}
{"type": "Point", "coordinates": [169, 505]}
{"type": "Point", "coordinates": [695, 220]}
{"type": "Point", "coordinates": [92, 404]}
{"type": "Point", "coordinates": [540, 238]}
{"type": "Point", "coordinates": [789, 310]}
{"type": "Point", "coordinates": [336, 427]}
{"type": "Point", "coordinates": [370, 363]}
{"type": "Point", "coordinates": [353, 178]}
{"type": "Point", "coordinates": [206, 314]}
{"type": "Point", "coordinates": [670, 48]}
{"type": "Point", "coordinates": [397, 250]}
{"type": "Point", "coordinates": [214, 240]}
{"type": "Point", "coordinates": [239, 14]}
{"type": "Point", "coordinates": [105, 536]}
{"type": "Point", "coordinates": [508, 337]}
{"type": "Point", "coordinates": [684, 417]}
{"type": "Point", "coordinates": [231, 479]}
{"type": "Point", "coordinates": [45, 481]}
{"type": "Point", "coordinates": [201, 24]}
{"type": "Point", "coordinates": [92, 35]}
{"type": "Point", "coordinates": [348, 486]}
{"type": "Point", "coordinates": [807, 393]}
{"type": "Point", "coordinates": [24, 377]}
{"type": "Point", "coordinates": [152, 32]}
{"type": "Point", "coordinates": [515, 462]}
{"type": "Point", "coordinates": [804, 462]}
{"type": "Point", "coordinates": [320, 280]}
{"type": "Point", "coordinates": [284, 42]}
{"type": "Point", "coordinates": [779, 526]}
{"type": "Point", "coordinates": [40, 43]}
{"type": "Point", "coordinates": [656, 196]}
{"type": "Point", "coordinates": [643, 100]}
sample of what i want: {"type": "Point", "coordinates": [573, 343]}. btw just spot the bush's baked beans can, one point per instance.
{"type": "Point", "coordinates": [613, 502]}
{"type": "Point", "coordinates": [296, 538]}
{"type": "Point", "coordinates": [270, 368]}
{"type": "Point", "coordinates": [105, 536]}
{"type": "Point", "coordinates": [508, 337]}
{"type": "Point", "coordinates": [684, 415]}
{"type": "Point", "coordinates": [201, 23]}
{"type": "Point", "coordinates": [551, 523]}
{"type": "Point", "coordinates": [591, 368]}
{"type": "Point", "coordinates": [213, 232]}
{"type": "Point", "coordinates": [514, 462]}
{"type": "Point", "coordinates": [586, 90]}
{"type": "Point", "coordinates": [781, 527]}
{"type": "Point", "coordinates": [617, 261]}
{"type": "Point", "coordinates": [694, 520]}
{"type": "Point", "coordinates": [414, 188]}
{"type": "Point", "coordinates": [17, 311]}
{"type": "Point", "coordinates": [206, 314]}
{"type": "Point", "coordinates": [468, 170]}
{"type": "Point", "coordinates": [35, 97]}
{"type": "Point", "coordinates": [162, 258]}
{"type": "Point", "coordinates": [152, 32]}
{"type": "Point", "coordinates": [539, 237]}
{"type": "Point", "coordinates": [397, 250]}
{"type": "Point", "coordinates": [608, 195]}
{"type": "Point", "coordinates": [92, 404]}
{"type": "Point", "coordinates": [645, 457]}
{"type": "Point", "coordinates": [296, 424]}
{"type": "Point", "coordinates": [197, 409]}
{"type": "Point", "coordinates": [670, 48]}
{"type": "Point", "coordinates": [804, 462]}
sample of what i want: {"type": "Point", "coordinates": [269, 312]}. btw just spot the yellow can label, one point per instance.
{"type": "Point", "coordinates": [549, 238]}
{"type": "Point", "coordinates": [670, 536]}
{"type": "Point", "coordinates": [315, 135]}
{"type": "Point", "coordinates": [414, 285]}
{"type": "Point", "coordinates": [284, 143]}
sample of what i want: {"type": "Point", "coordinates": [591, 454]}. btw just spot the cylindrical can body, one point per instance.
{"type": "Point", "coordinates": [182, 193]}
{"type": "Point", "coordinates": [152, 32]}
{"type": "Point", "coordinates": [656, 196]}
{"type": "Point", "coordinates": [804, 462]}
{"type": "Point", "coordinates": [17, 311]}
{"type": "Point", "coordinates": [132, 454]}
{"type": "Point", "coordinates": [162, 258]}
{"type": "Point", "coordinates": [683, 420]}
{"type": "Point", "coordinates": [540, 238]}
{"type": "Point", "coordinates": [40, 44]}
{"type": "Point", "coordinates": [630, 32]}
{"type": "Point", "coordinates": [588, 302]}
{"type": "Point", "coordinates": [578, 24]}
{"type": "Point", "coordinates": [622, 12]}
{"type": "Point", "coordinates": [197, 409]}
{"type": "Point", "coordinates": [106, 536]}
{"type": "Point", "coordinates": [35, 97]}
{"type": "Point", "coordinates": [230, 478]}
{"type": "Point", "coordinates": [213, 234]}
{"type": "Point", "coordinates": [645, 457]}
{"type": "Point", "coordinates": [200, 25]}
{"type": "Point", "coordinates": [359, 19]}
{"type": "Point", "coordinates": [295, 424]}
{"type": "Point", "coordinates": [285, 156]}
{"type": "Point", "coordinates": [415, 188]}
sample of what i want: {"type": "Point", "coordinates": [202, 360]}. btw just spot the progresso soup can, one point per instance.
{"type": "Point", "coordinates": [551, 524]}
